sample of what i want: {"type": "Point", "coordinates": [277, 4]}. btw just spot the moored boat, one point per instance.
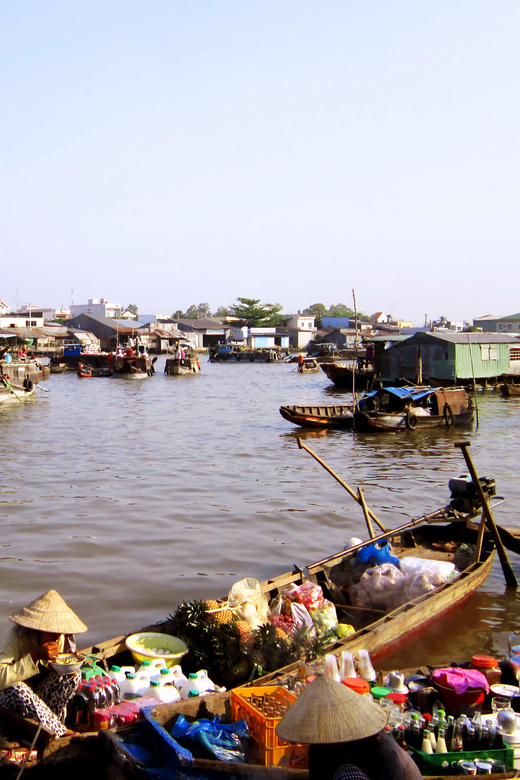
{"type": "Point", "coordinates": [18, 379]}
{"type": "Point", "coordinates": [184, 362]}
{"type": "Point", "coordinates": [329, 416]}
{"type": "Point", "coordinates": [510, 390]}
{"type": "Point", "coordinates": [132, 366]}
{"type": "Point", "coordinates": [408, 408]}
{"type": "Point", "coordinates": [344, 375]}
{"type": "Point", "coordinates": [87, 371]}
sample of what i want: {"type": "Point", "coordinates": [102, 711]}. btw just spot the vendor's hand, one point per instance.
{"type": "Point", "coordinates": [48, 651]}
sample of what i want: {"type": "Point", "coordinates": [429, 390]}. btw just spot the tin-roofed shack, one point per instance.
{"type": "Point", "coordinates": [443, 359]}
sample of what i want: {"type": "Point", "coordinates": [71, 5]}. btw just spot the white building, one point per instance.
{"type": "Point", "coordinates": [95, 306]}
{"type": "Point", "coordinates": [301, 329]}
{"type": "Point", "coordinates": [32, 319]}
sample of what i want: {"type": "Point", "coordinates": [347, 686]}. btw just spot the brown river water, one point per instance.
{"type": "Point", "coordinates": [130, 496]}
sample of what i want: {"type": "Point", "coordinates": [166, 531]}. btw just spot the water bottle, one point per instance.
{"type": "Point", "coordinates": [145, 668]}
{"type": "Point", "coordinates": [164, 676]}
{"type": "Point", "coordinates": [129, 687]}
{"type": "Point", "coordinates": [117, 674]}
{"type": "Point", "coordinates": [178, 678]}
{"type": "Point", "coordinates": [198, 682]}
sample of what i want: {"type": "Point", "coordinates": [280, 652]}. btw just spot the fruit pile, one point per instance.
{"type": "Point", "coordinates": [229, 649]}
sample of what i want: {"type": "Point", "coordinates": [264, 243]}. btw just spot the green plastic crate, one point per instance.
{"type": "Point", "coordinates": [442, 763]}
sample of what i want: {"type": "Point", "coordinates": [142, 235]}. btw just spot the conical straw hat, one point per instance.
{"type": "Point", "coordinates": [328, 711]}
{"type": "Point", "coordinates": [49, 613]}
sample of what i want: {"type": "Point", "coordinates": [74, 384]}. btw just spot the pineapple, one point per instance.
{"type": "Point", "coordinates": [218, 614]}
{"type": "Point", "coordinates": [240, 672]}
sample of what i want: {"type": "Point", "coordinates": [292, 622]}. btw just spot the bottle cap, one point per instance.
{"type": "Point", "coordinates": [130, 676]}
{"type": "Point", "coordinates": [164, 671]}
{"type": "Point", "coordinates": [192, 676]}
{"type": "Point", "coordinates": [115, 668]}
{"type": "Point", "coordinates": [155, 683]}
{"type": "Point", "coordinates": [192, 694]}
{"type": "Point", "coordinates": [146, 663]}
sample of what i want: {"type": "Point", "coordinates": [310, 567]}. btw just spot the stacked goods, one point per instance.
{"type": "Point", "coordinates": [243, 637]}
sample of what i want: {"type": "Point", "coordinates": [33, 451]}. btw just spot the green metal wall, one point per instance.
{"type": "Point", "coordinates": [481, 368]}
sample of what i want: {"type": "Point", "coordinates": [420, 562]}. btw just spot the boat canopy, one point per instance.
{"type": "Point", "coordinates": [409, 393]}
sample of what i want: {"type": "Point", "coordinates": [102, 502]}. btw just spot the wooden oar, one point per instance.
{"type": "Point", "coordinates": [490, 521]}
{"type": "Point", "coordinates": [343, 484]}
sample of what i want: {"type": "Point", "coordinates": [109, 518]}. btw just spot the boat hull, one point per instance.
{"type": "Point", "coordinates": [337, 416]}
{"type": "Point", "coordinates": [398, 421]}
{"type": "Point", "coordinates": [345, 376]}
{"type": "Point", "coordinates": [182, 366]}
{"type": "Point", "coordinates": [509, 390]}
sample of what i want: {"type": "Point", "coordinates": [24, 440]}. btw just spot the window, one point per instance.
{"type": "Point", "coordinates": [488, 353]}
{"type": "Point", "coordinates": [514, 353]}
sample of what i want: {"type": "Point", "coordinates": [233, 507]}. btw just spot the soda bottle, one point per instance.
{"type": "Point", "coordinates": [441, 741]}
{"type": "Point", "coordinates": [77, 710]}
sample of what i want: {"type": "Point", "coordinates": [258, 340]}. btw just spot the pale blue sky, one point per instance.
{"type": "Point", "coordinates": [168, 153]}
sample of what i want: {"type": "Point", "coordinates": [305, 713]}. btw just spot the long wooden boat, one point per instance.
{"type": "Point", "coordinates": [510, 390]}
{"type": "Point", "coordinates": [344, 375]}
{"type": "Point", "coordinates": [331, 416]}
{"type": "Point", "coordinates": [87, 371]}
{"type": "Point", "coordinates": [408, 408]}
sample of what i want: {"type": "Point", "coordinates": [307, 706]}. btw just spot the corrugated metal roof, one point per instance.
{"type": "Point", "coordinates": [203, 323]}
{"type": "Point", "coordinates": [472, 338]}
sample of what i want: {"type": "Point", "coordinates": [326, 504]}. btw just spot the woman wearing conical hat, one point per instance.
{"type": "Point", "coordinates": [344, 731]}
{"type": "Point", "coordinates": [42, 630]}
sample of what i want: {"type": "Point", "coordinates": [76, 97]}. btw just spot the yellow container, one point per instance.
{"type": "Point", "coordinates": [151, 646]}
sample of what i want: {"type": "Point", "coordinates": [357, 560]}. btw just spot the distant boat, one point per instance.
{"type": "Point", "coordinates": [336, 416]}
{"type": "Point", "coordinates": [510, 390]}
{"type": "Point", "coordinates": [408, 408]}
{"type": "Point", "coordinates": [309, 365]}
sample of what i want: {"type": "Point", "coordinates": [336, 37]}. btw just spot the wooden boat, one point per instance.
{"type": "Point", "coordinates": [179, 366]}
{"type": "Point", "coordinates": [56, 367]}
{"type": "Point", "coordinates": [132, 367]}
{"type": "Point", "coordinates": [18, 379]}
{"type": "Point", "coordinates": [383, 634]}
{"type": "Point", "coordinates": [335, 416]}
{"type": "Point", "coordinates": [86, 371]}
{"type": "Point", "coordinates": [344, 375]}
{"type": "Point", "coordinates": [309, 365]}
{"type": "Point", "coordinates": [408, 408]}
{"type": "Point", "coordinates": [510, 390]}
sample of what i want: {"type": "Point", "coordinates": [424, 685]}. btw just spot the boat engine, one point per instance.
{"type": "Point", "coordinates": [463, 493]}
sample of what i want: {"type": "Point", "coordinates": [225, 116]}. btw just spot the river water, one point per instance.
{"type": "Point", "coordinates": [129, 497]}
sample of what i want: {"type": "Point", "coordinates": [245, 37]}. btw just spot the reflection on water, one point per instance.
{"type": "Point", "coordinates": [128, 497]}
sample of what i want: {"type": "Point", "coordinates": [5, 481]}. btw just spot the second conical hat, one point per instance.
{"type": "Point", "coordinates": [49, 612]}
{"type": "Point", "coordinates": [328, 711]}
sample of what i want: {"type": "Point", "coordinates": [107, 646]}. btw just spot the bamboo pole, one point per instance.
{"type": "Point", "coordinates": [504, 560]}
{"type": "Point", "coordinates": [343, 484]}
{"type": "Point", "coordinates": [361, 500]}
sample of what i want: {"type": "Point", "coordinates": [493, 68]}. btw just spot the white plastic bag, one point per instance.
{"type": "Point", "coordinates": [248, 602]}
{"type": "Point", "coordinates": [430, 567]}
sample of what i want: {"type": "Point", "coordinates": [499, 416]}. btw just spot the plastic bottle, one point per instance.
{"type": "Point", "coordinates": [365, 668]}
{"type": "Point", "coordinates": [155, 690]}
{"type": "Point", "coordinates": [178, 677]}
{"type": "Point", "coordinates": [346, 667]}
{"type": "Point", "coordinates": [145, 668]}
{"type": "Point", "coordinates": [77, 710]}
{"type": "Point", "coordinates": [331, 667]}
{"type": "Point", "coordinates": [198, 682]}
{"type": "Point", "coordinates": [164, 675]}
{"type": "Point", "coordinates": [129, 687]}
{"type": "Point", "coordinates": [142, 683]}
{"type": "Point", "coordinates": [117, 674]}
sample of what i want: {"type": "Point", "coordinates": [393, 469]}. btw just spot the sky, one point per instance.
{"type": "Point", "coordinates": [170, 153]}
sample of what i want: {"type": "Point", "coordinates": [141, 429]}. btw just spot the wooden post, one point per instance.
{"type": "Point", "coordinates": [349, 490]}
{"type": "Point", "coordinates": [504, 560]}
{"type": "Point", "coordinates": [480, 537]}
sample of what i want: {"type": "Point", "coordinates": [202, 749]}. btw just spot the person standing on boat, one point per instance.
{"type": "Point", "coordinates": [345, 737]}
{"type": "Point", "coordinates": [300, 362]}
{"type": "Point", "coordinates": [43, 629]}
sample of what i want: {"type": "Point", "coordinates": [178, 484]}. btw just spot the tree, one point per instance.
{"type": "Point", "coordinates": [178, 315]}
{"type": "Point", "coordinates": [319, 310]}
{"type": "Point", "coordinates": [250, 313]}
{"type": "Point", "coordinates": [133, 308]}
{"type": "Point", "coordinates": [222, 311]}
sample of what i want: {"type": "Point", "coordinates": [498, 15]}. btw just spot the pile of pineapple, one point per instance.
{"type": "Point", "coordinates": [230, 650]}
